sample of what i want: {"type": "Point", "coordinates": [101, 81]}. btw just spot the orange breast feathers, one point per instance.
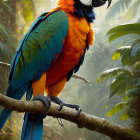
{"type": "Point", "coordinates": [90, 36]}
{"type": "Point", "coordinates": [80, 36]}
{"type": "Point", "coordinates": [80, 32]}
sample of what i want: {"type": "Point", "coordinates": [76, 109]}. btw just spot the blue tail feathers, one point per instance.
{"type": "Point", "coordinates": [4, 116]}
{"type": "Point", "coordinates": [5, 113]}
{"type": "Point", "coordinates": [32, 127]}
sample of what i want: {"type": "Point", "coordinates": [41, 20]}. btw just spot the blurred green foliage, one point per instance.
{"type": "Point", "coordinates": [127, 78]}
{"type": "Point", "coordinates": [27, 10]}
{"type": "Point", "coordinates": [117, 8]}
{"type": "Point", "coordinates": [9, 27]}
{"type": "Point", "coordinates": [7, 40]}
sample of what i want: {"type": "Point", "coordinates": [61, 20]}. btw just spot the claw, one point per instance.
{"type": "Point", "coordinates": [45, 100]}
{"type": "Point", "coordinates": [79, 111]}
{"type": "Point", "coordinates": [61, 106]}
{"type": "Point", "coordinates": [61, 103]}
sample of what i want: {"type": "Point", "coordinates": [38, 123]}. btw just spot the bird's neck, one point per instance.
{"type": "Point", "coordinates": [78, 9]}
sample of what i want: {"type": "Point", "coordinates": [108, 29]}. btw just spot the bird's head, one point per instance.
{"type": "Point", "coordinates": [95, 3]}
{"type": "Point", "coordinates": [82, 8]}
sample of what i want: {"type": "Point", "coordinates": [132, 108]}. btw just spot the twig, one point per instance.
{"type": "Point", "coordinates": [4, 64]}
{"type": "Point", "coordinates": [73, 76]}
{"type": "Point", "coordinates": [83, 120]}
{"type": "Point", "coordinates": [80, 77]}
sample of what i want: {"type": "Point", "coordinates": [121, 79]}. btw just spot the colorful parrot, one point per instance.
{"type": "Point", "coordinates": [52, 50]}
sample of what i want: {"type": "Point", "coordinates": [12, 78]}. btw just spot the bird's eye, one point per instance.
{"type": "Point", "coordinates": [86, 2]}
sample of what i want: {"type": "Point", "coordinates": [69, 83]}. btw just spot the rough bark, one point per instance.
{"type": "Point", "coordinates": [83, 120]}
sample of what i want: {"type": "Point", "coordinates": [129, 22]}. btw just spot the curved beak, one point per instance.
{"type": "Point", "coordinates": [98, 3]}
{"type": "Point", "coordinates": [109, 3]}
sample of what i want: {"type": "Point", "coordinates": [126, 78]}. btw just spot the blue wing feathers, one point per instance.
{"type": "Point", "coordinates": [24, 125]}
{"type": "Point", "coordinates": [13, 62]}
{"type": "Point", "coordinates": [4, 116]}
{"type": "Point", "coordinates": [32, 127]}
{"type": "Point", "coordinates": [34, 56]}
{"type": "Point", "coordinates": [39, 47]}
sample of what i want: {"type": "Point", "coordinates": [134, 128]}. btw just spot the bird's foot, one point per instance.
{"type": "Point", "coordinates": [61, 103]}
{"type": "Point", "coordinates": [45, 100]}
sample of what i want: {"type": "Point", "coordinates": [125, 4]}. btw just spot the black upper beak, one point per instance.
{"type": "Point", "coordinates": [109, 3]}
{"type": "Point", "coordinates": [98, 3]}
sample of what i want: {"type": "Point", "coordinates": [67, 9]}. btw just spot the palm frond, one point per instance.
{"type": "Point", "coordinates": [110, 73]}
{"type": "Point", "coordinates": [6, 33]}
{"type": "Point", "coordinates": [117, 8]}
{"type": "Point", "coordinates": [117, 108]}
{"type": "Point", "coordinates": [4, 49]}
{"type": "Point", "coordinates": [8, 7]}
{"type": "Point", "coordinates": [132, 11]}
{"type": "Point", "coordinates": [123, 30]}
{"type": "Point", "coordinates": [121, 83]}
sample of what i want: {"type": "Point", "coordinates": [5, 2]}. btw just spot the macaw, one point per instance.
{"type": "Point", "coordinates": [52, 50]}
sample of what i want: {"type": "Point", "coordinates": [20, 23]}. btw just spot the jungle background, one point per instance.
{"type": "Point", "coordinates": [112, 65]}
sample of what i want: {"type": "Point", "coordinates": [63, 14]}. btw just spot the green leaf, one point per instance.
{"type": "Point", "coordinates": [126, 97]}
{"type": "Point", "coordinates": [116, 56]}
{"type": "Point", "coordinates": [126, 54]}
{"type": "Point", "coordinates": [109, 73]}
{"type": "Point", "coordinates": [124, 49]}
{"type": "Point", "coordinates": [124, 116]}
{"type": "Point", "coordinates": [130, 54]}
{"type": "Point", "coordinates": [131, 93]}
{"type": "Point", "coordinates": [123, 30]}
{"type": "Point", "coordinates": [121, 83]}
{"type": "Point", "coordinates": [126, 59]}
{"type": "Point", "coordinates": [117, 108]}
{"type": "Point", "coordinates": [132, 11]}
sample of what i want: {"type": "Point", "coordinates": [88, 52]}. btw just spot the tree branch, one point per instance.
{"type": "Point", "coordinates": [81, 78]}
{"type": "Point", "coordinates": [83, 120]}
{"type": "Point", "coordinates": [2, 64]}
